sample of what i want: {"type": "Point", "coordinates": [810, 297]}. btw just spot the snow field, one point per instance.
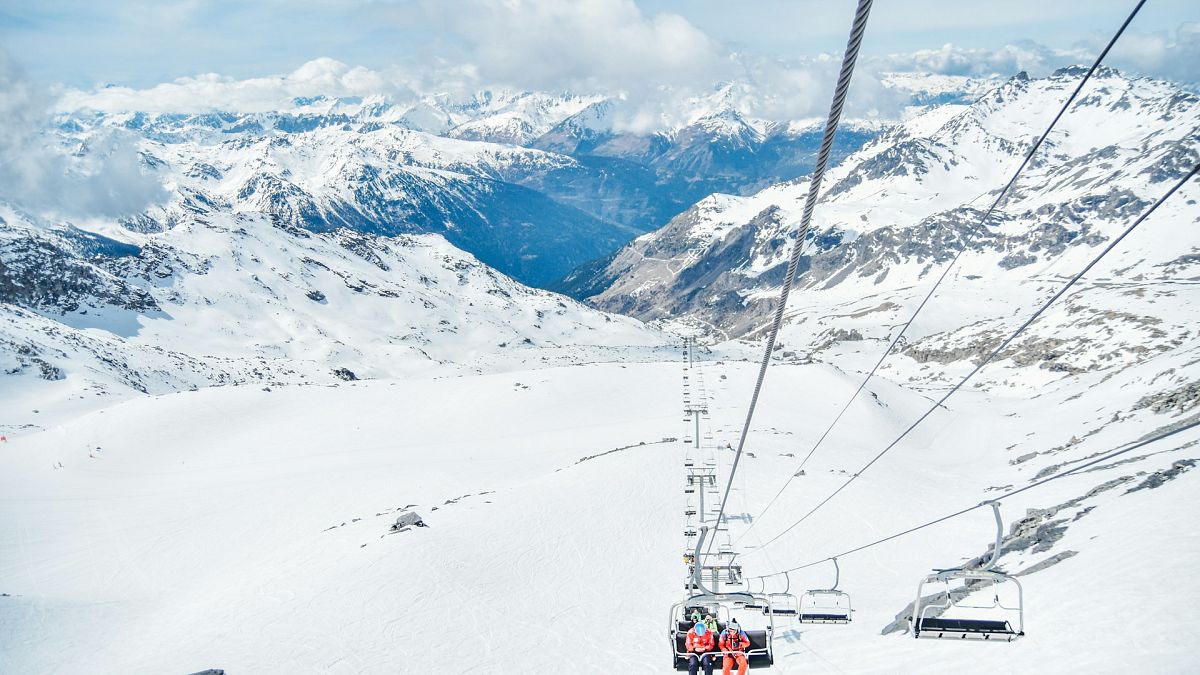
{"type": "Point", "coordinates": [217, 528]}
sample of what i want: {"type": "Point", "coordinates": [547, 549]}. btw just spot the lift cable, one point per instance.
{"type": "Point", "coordinates": [1097, 460]}
{"type": "Point", "coordinates": [857, 29]}
{"type": "Point", "coordinates": [953, 262]}
{"type": "Point", "coordinates": [992, 355]}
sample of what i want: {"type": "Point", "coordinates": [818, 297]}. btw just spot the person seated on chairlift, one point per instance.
{"type": "Point", "coordinates": [696, 616]}
{"type": "Point", "coordinates": [699, 643]}
{"type": "Point", "coordinates": [711, 622]}
{"type": "Point", "coordinates": [734, 643]}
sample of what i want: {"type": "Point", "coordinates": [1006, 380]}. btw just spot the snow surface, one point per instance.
{"type": "Point", "coordinates": [248, 530]}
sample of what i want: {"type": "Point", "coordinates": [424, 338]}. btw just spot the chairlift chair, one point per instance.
{"type": "Point", "coordinates": [779, 604]}
{"type": "Point", "coordinates": [760, 653]}
{"type": "Point", "coordinates": [996, 627]}
{"type": "Point", "coordinates": [825, 605]}
{"type": "Point", "coordinates": [721, 574]}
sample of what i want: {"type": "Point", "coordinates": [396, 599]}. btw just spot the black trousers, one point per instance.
{"type": "Point", "coordinates": [697, 662]}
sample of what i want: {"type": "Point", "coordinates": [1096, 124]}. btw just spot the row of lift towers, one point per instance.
{"type": "Point", "coordinates": [715, 584]}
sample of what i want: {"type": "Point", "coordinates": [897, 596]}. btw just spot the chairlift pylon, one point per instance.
{"type": "Point", "coordinates": [996, 627]}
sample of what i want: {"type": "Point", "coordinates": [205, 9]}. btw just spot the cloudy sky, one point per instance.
{"type": "Point", "coordinates": [139, 43]}
{"type": "Point", "coordinates": [654, 55]}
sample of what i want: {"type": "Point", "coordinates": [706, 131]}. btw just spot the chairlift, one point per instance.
{"type": "Point", "coordinates": [760, 653]}
{"type": "Point", "coordinates": [719, 574]}
{"type": "Point", "coordinates": [825, 605]}
{"type": "Point", "coordinates": [781, 604]}
{"type": "Point", "coordinates": [927, 620]}
{"type": "Point", "coordinates": [758, 600]}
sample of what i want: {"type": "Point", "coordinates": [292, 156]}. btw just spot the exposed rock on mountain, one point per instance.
{"type": "Point", "coordinates": [898, 210]}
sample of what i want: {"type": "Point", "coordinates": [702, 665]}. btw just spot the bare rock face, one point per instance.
{"type": "Point", "coordinates": [64, 270]}
{"type": "Point", "coordinates": [1174, 401]}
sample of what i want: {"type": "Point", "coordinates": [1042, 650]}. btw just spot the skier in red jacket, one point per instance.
{"type": "Point", "coordinates": [699, 643]}
{"type": "Point", "coordinates": [734, 644]}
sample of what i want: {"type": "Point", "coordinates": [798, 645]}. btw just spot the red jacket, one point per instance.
{"type": "Point", "coordinates": [734, 643]}
{"type": "Point", "coordinates": [699, 643]}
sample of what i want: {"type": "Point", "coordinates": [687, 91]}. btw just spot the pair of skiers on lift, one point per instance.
{"type": "Point", "coordinates": [733, 641]}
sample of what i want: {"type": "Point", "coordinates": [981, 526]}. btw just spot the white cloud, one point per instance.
{"type": "Point", "coordinates": [580, 44]}
{"type": "Point", "coordinates": [105, 178]}
{"type": "Point", "coordinates": [1162, 55]}
{"type": "Point", "coordinates": [212, 92]}
{"type": "Point", "coordinates": [660, 67]}
{"type": "Point", "coordinates": [952, 59]}
{"type": "Point", "coordinates": [1175, 57]}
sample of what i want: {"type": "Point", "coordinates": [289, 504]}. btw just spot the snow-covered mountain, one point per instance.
{"type": "Point", "coordinates": [534, 184]}
{"type": "Point", "coordinates": [248, 298]}
{"type": "Point", "coordinates": [900, 208]}
{"type": "Point", "coordinates": [374, 178]}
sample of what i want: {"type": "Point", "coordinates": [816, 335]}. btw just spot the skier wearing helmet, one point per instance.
{"type": "Point", "coordinates": [699, 643]}
{"type": "Point", "coordinates": [734, 643]}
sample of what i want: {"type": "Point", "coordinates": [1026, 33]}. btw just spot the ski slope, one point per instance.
{"type": "Point", "coordinates": [246, 529]}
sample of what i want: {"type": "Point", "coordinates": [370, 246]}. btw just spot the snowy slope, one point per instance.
{"type": "Point", "coordinates": [233, 299]}
{"type": "Point", "coordinates": [248, 530]}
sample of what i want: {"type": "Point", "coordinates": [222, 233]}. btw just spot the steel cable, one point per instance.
{"type": "Point", "coordinates": [857, 29]}
{"type": "Point", "coordinates": [1097, 460]}
{"type": "Point", "coordinates": [954, 261]}
{"type": "Point", "coordinates": [992, 355]}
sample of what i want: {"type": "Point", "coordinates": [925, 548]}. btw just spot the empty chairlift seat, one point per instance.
{"type": "Point", "coordinates": [978, 629]}
{"type": "Point", "coordinates": [824, 606]}
{"type": "Point", "coordinates": [992, 621]}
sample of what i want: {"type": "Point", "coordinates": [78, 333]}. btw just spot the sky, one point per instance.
{"type": "Point", "coordinates": [140, 43]}
{"type": "Point", "coordinates": [657, 58]}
